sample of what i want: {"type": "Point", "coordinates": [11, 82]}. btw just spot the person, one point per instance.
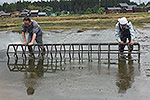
{"type": "Point", "coordinates": [35, 33]}
{"type": "Point", "coordinates": [124, 30]}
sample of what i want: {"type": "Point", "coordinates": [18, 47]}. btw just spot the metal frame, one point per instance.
{"type": "Point", "coordinates": [71, 49]}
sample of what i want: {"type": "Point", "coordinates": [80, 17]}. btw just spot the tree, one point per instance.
{"type": "Point", "coordinates": [95, 9]}
{"type": "Point", "coordinates": [4, 6]}
{"type": "Point", "coordinates": [49, 12]}
{"type": "Point", "coordinates": [148, 3]}
{"type": "Point", "coordinates": [132, 3]}
{"type": "Point", "coordinates": [101, 10]}
{"type": "Point", "coordinates": [124, 10]}
{"type": "Point", "coordinates": [58, 13]}
{"type": "Point", "coordinates": [19, 5]}
{"type": "Point", "coordinates": [48, 7]}
{"type": "Point", "coordinates": [65, 12]}
{"type": "Point", "coordinates": [77, 6]}
{"type": "Point", "coordinates": [88, 11]}
{"type": "Point", "coordinates": [111, 3]}
{"type": "Point", "coordinates": [80, 12]}
{"type": "Point", "coordinates": [144, 9]}
{"type": "Point", "coordinates": [0, 7]}
{"type": "Point", "coordinates": [71, 12]}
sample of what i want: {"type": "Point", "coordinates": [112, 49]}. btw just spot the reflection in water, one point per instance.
{"type": "Point", "coordinates": [31, 74]}
{"type": "Point", "coordinates": [30, 91]}
{"type": "Point", "coordinates": [34, 70]}
{"type": "Point", "coordinates": [39, 66]}
{"type": "Point", "coordinates": [125, 75]}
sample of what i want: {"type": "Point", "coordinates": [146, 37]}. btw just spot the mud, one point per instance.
{"type": "Point", "coordinates": [117, 80]}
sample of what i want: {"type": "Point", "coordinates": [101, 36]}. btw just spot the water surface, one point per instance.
{"type": "Point", "coordinates": [39, 79]}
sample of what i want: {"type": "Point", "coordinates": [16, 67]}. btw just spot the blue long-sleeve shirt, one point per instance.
{"type": "Point", "coordinates": [118, 32]}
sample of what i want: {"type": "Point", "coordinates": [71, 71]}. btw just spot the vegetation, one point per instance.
{"type": "Point", "coordinates": [101, 10]}
{"type": "Point", "coordinates": [90, 8]}
{"type": "Point", "coordinates": [83, 21]}
{"type": "Point", "coordinates": [76, 6]}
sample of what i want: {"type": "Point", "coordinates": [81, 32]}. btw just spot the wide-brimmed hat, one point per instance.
{"type": "Point", "coordinates": [123, 20]}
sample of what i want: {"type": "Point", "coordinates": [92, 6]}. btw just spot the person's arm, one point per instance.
{"type": "Point", "coordinates": [23, 33]}
{"type": "Point", "coordinates": [24, 38]}
{"type": "Point", "coordinates": [117, 33]}
{"type": "Point", "coordinates": [132, 33]}
{"type": "Point", "coordinates": [33, 39]}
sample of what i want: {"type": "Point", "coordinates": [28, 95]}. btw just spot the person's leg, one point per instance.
{"type": "Point", "coordinates": [122, 46]}
{"type": "Point", "coordinates": [130, 47]}
{"type": "Point", "coordinates": [40, 41]}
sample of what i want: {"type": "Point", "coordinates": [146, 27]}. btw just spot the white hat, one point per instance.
{"type": "Point", "coordinates": [123, 20]}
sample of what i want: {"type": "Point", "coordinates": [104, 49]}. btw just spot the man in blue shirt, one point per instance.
{"type": "Point", "coordinates": [124, 30]}
{"type": "Point", "coordinates": [35, 33]}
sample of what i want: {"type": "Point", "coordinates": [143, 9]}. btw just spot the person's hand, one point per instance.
{"type": "Point", "coordinates": [31, 43]}
{"type": "Point", "coordinates": [121, 42]}
{"type": "Point", "coordinates": [132, 42]}
{"type": "Point", "coordinates": [25, 42]}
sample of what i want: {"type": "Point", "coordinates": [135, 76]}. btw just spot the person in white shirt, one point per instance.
{"type": "Point", "coordinates": [123, 31]}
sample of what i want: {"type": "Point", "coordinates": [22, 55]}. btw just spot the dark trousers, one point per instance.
{"type": "Point", "coordinates": [38, 40]}
{"type": "Point", "coordinates": [124, 36]}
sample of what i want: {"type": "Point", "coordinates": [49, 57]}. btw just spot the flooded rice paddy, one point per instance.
{"type": "Point", "coordinates": [40, 79]}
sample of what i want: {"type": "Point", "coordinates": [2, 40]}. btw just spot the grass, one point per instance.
{"type": "Point", "coordinates": [82, 21]}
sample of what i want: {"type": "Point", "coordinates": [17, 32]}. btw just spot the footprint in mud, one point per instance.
{"type": "Point", "coordinates": [147, 72]}
{"type": "Point", "coordinates": [2, 54]}
{"type": "Point", "coordinates": [93, 35]}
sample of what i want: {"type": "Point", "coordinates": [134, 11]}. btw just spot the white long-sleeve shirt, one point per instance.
{"type": "Point", "coordinates": [118, 32]}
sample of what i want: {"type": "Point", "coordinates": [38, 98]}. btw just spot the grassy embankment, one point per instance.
{"type": "Point", "coordinates": [84, 22]}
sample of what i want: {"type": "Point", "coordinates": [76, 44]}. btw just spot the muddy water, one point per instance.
{"type": "Point", "coordinates": [39, 79]}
